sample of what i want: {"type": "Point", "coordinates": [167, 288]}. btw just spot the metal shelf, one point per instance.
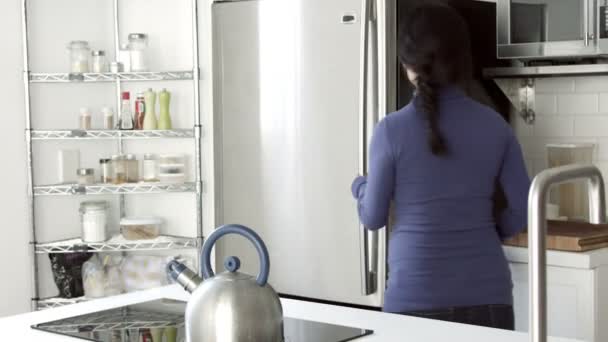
{"type": "Point", "coordinates": [110, 77]}
{"type": "Point", "coordinates": [111, 189]}
{"type": "Point", "coordinates": [116, 319]}
{"type": "Point", "coordinates": [117, 244]}
{"type": "Point", "coordinates": [110, 134]}
{"type": "Point", "coordinates": [55, 302]}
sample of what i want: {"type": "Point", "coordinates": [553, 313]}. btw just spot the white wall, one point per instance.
{"type": "Point", "coordinates": [14, 236]}
{"type": "Point", "coordinates": [52, 25]}
{"type": "Point", "coordinates": [568, 110]}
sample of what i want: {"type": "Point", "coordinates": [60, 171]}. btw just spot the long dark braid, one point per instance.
{"type": "Point", "coordinates": [429, 104]}
{"type": "Point", "coordinates": [434, 43]}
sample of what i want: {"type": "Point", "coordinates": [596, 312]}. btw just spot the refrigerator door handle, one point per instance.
{"type": "Point", "coordinates": [368, 239]}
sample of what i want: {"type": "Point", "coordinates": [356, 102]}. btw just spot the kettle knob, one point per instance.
{"type": "Point", "coordinates": [232, 264]}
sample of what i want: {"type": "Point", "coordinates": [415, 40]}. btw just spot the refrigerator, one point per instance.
{"type": "Point", "coordinates": [298, 86]}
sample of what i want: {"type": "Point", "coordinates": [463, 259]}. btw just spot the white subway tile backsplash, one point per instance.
{"type": "Point", "coordinates": [540, 165]}
{"type": "Point", "coordinates": [554, 85]}
{"type": "Point", "coordinates": [550, 126]}
{"type": "Point", "coordinates": [604, 103]}
{"type": "Point", "coordinates": [546, 104]}
{"type": "Point", "coordinates": [602, 149]}
{"type": "Point", "coordinates": [591, 126]}
{"type": "Point", "coordinates": [578, 103]}
{"type": "Point", "coordinates": [520, 127]}
{"type": "Point", "coordinates": [594, 84]}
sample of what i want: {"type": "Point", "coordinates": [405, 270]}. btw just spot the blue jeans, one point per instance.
{"type": "Point", "coordinates": [492, 316]}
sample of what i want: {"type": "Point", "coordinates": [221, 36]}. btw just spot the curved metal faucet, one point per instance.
{"type": "Point", "coordinates": [537, 231]}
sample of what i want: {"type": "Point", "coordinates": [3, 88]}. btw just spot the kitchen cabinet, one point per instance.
{"type": "Point", "coordinates": [576, 293]}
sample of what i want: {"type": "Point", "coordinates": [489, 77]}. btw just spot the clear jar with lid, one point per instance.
{"type": "Point", "coordinates": [138, 43]}
{"type": "Point", "coordinates": [86, 176]}
{"type": "Point", "coordinates": [105, 170]}
{"type": "Point", "coordinates": [93, 220]}
{"type": "Point", "coordinates": [79, 56]}
{"type": "Point", "coordinates": [150, 168]}
{"type": "Point", "coordinates": [100, 64]}
{"type": "Point", "coordinates": [119, 169]}
{"type": "Point", "coordinates": [132, 168]}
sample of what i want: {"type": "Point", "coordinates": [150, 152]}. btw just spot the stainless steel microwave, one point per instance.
{"type": "Point", "coordinates": [540, 29]}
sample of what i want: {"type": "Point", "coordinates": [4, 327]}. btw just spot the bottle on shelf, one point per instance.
{"type": "Point", "coordinates": [85, 118]}
{"type": "Point", "coordinates": [126, 118]}
{"type": "Point", "coordinates": [150, 121]}
{"type": "Point", "coordinates": [108, 118]}
{"type": "Point", "coordinates": [164, 121]}
{"type": "Point", "coordinates": [140, 111]}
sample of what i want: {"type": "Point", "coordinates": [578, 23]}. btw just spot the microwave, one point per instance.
{"type": "Point", "coordinates": [551, 29]}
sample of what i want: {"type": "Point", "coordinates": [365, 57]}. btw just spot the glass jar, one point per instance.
{"type": "Point", "coordinates": [132, 168]}
{"type": "Point", "coordinates": [105, 169]}
{"type": "Point", "coordinates": [79, 56]}
{"type": "Point", "coordinates": [108, 118]}
{"type": "Point", "coordinates": [93, 219]}
{"type": "Point", "coordinates": [150, 166]}
{"type": "Point", "coordinates": [100, 64]}
{"type": "Point", "coordinates": [85, 119]}
{"type": "Point", "coordinates": [119, 169]}
{"type": "Point", "coordinates": [138, 43]}
{"type": "Point", "coordinates": [86, 176]}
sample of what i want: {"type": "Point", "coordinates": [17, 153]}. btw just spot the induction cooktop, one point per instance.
{"type": "Point", "coordinates": [147, 321]}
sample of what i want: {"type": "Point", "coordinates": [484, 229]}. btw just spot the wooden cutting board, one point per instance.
{"type": "Point", "coordinates": [569, 236]}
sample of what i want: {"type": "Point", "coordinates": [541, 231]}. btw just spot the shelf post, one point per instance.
{"type": "Point", "coordinates": [29, 162]}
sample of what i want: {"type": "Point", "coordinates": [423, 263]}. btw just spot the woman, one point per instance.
{"type": "Point", "coordinates": [440, 160]}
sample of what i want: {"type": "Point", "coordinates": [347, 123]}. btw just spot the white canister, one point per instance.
{"type": "Point", "coordinates": [94, 219]}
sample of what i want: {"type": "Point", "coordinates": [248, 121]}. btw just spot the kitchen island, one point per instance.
{"type": "Point", "coordinates": [576, 292]}
{"type": "Point", "coordinates": [387, 327]}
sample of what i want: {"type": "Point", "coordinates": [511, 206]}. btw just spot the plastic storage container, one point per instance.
{"type": "Point", "coordinates": [572, 198]}
{"type": "Point", "coordinates": [140, 228]}
{"type": "Point", "coordinates": [172, 168]}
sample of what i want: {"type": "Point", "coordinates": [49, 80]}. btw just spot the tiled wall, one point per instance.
{"type": "Point", "coordinates": [569, 110]}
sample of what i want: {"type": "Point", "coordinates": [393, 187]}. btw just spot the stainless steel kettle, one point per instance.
{"type": "Point", "coordinates": [231, 306]}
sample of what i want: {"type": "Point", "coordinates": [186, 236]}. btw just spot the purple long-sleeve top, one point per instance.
{"type": "Point", "coordinates": [445, 245]}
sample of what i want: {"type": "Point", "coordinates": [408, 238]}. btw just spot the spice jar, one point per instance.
{"type": "Point", "coordinates": [132, 168]}
{"type": "Point", "coordinates": [108, 117]}
{"type": "Point", "coordinates": [119, 169]}
{"type": "Point", "coordinates": [99, 61]}
{"type": "Point", "coordinates": [150, 166]}
{"type": "Point", "coordinates": [105, 168]}
{"type": "Point", "coordinates": [86, 176]}
{"type": "Point", "coordinates": [85, 118]}
{"type": "Point", "coordinates": [93, 219]}
{"type": "Point", "coordinates": [79, 56]}
{"type": "Point", "coordinates": [138, 43]}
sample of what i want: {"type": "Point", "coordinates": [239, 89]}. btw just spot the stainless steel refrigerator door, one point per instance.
{"type": "Point", "coordinates": [286, 97]}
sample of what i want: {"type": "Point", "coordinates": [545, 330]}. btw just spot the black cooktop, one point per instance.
{"type": "Point", "coordinates": [164, 318]}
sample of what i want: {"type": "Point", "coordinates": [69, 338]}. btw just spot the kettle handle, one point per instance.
{"type": "Point", "coordinates": [248, 233]}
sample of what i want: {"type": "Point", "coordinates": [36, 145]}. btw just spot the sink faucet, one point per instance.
{"type": "Point", "coordinates": [537, 231]}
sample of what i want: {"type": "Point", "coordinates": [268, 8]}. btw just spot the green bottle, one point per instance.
{"type": "Point", "coordinates": [164, 121]}
{"type": "Point", "coordinates": [150, 105]}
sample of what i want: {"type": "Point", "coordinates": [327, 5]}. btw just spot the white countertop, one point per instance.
{"type": "Point", "coordinates": [584, 260]}
{"type": "Point", "coordinates": [387, 327]}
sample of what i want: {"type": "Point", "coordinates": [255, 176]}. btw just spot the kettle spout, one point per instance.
{"type": "Point", "coordinates": [183, 275]}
